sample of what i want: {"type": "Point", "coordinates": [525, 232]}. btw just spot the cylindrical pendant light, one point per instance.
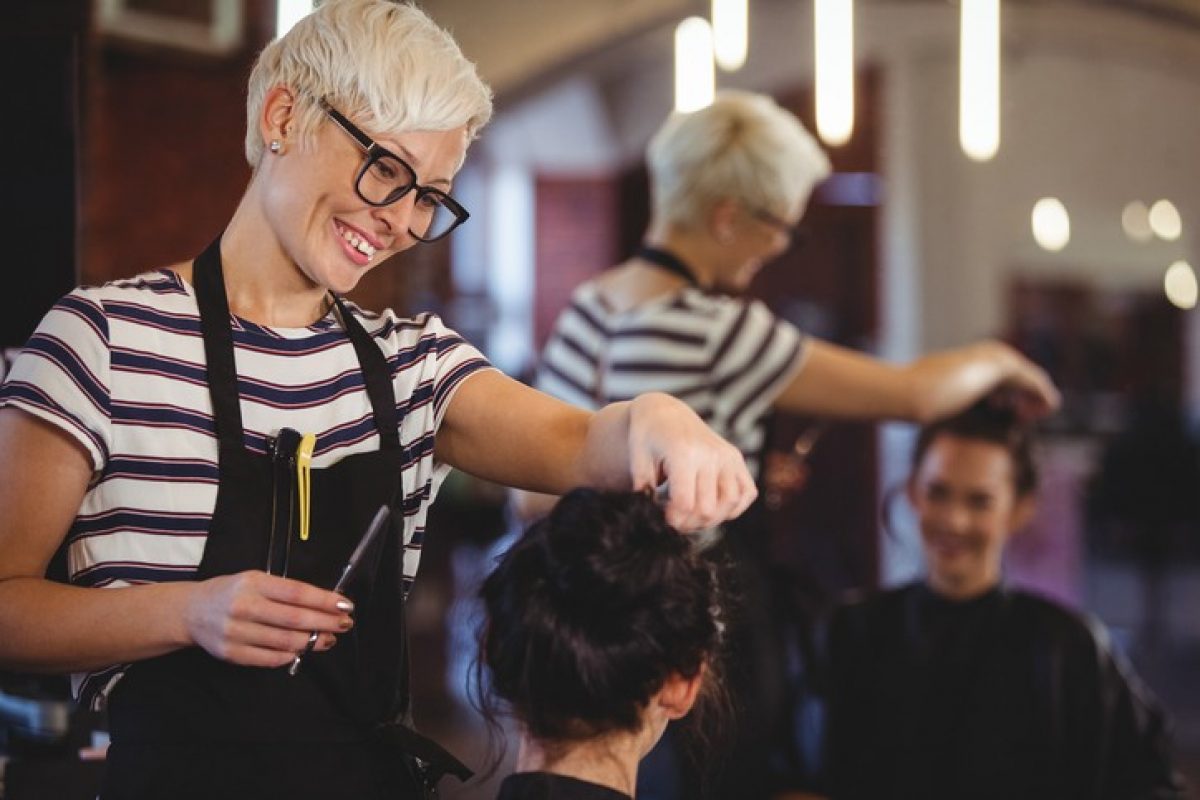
{"type": "Point", "coordinates": [833, 30]}
{"type": "Point", "coordinates": [979, 79]}
{"type": "Point", "coordinates": [694, 78]}
{"type": "Point", "coordinates": [730, 23]}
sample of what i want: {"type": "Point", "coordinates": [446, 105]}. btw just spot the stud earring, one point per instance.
{"type": "Point", "coordinates": [276, 146]}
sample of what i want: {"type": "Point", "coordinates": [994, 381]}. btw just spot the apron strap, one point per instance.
{"type": "Point", "coordinates": [376, 375]}
{"type": "Point", "coordinates": [215, 327]}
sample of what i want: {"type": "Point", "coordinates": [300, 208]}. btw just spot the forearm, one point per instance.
{"type": "Point", "coordinates": [51, 627]}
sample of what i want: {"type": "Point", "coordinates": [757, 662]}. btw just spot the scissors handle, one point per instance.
{"type": "Point", "coordinates": [312, 642]}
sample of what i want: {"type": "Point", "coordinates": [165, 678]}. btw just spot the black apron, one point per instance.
{"type": "Point", "coordinates": [187, 724]}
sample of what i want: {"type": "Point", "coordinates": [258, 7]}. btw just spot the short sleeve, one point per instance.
{"type": "Point", "coordinates": [569, 366]}
{"type": "Point", "coordinates": [61, 375]}
{"type": "Point", "coordinates": [756, 357]}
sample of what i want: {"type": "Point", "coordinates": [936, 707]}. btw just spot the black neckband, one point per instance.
{"type": "Point", "coordinates": [668, 261]}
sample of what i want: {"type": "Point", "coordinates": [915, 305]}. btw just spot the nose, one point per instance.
{"type": "Point", "coordinates": [398, 217]}
{"type": "Point", "coordinates": [956, 518]}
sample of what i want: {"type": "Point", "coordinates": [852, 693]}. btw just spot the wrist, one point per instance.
{"type": "Point", "coordinates": [177, 603]}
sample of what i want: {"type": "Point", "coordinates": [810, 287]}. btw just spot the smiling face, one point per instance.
{"type": "Point", "coordinates": [322, 226]}
{"type": "Point", "coordinates": [967, 505]}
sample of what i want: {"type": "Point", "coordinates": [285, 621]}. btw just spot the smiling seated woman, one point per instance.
{"type": "Point", "coordinates": [957, 686]}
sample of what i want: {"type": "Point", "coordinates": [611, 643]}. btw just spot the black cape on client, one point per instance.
{"type": "Point", "coordinates": [1003, 696]}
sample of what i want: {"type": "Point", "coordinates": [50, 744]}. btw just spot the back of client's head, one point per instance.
{"type": "Point", "coordinates": [591, 613]}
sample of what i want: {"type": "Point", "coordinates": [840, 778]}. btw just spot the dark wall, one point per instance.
{"type": "Point", "coordinates": [40, 45]}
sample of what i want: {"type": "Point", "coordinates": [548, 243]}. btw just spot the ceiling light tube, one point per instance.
{"type": "Point", "coordinates": [979, 79]}
{"type": "Point", "coordinates": [694, 78]}
{"type": "Point", "coordinates": [833, 30]}
{"type": "Point", "coordinates": [730, 25]}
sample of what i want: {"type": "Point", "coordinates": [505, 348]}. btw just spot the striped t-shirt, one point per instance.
{"type": "Point", "coordinates": [121, 369]}
{"type": "Point", "coordinates": [725, 357]}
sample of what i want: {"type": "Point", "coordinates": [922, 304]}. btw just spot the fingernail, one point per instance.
{"type": "Point", "coordinates": [345, 605]}
{"type": "Point", "coordinates": [345, 623]}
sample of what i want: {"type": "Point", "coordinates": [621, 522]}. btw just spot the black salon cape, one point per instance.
{"type": "Point", "coordinates": [1003, 696]}
{"type": "Point", "coordinates": [548, 786]}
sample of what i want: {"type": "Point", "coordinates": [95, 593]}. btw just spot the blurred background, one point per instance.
{"type": "Point", "coordinates": [1045, 192]}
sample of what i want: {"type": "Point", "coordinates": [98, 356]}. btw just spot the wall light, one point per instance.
{"type": "Point", "coordinates": [979, 79]}
{"type": "Point", "coordinates": [1051, 224]}
{"type": "Point", "coordinates": [694, 78]}
{"type": "Point", "coordinates": [730, 24]}
{"type": "Point", "coordinates": [833, 31]}
{"type": "Point", "coordinates": [1165, 220]}
{"type": "Point", "coordinates": [288, 13]}
{"type": "Point", "coordinates": [1180, 285]}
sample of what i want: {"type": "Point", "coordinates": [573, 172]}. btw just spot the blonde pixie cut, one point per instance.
{"type": "Point", "coordinates": [742, 147]}
{"type": "Point", "coordinates": [380, 62]}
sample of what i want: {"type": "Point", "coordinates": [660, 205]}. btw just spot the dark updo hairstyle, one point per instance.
{"type": "Point", "coordinates": [992, 422]}
{"type": "Point", "coordinates": [590, 612]}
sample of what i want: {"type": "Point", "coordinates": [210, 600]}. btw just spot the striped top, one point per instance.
{"type": "Point", "coordinates": [725, 357]}
{"type": "Point", "coordinates": [121, 369]}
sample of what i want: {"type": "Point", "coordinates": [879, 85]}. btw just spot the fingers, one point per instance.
{"type": "Point", "coordinates": [298, 593]}
{"type": "Point", "coordinates": [708, 479]}
{"type": "Point", "coordinates": [253, 656]}
{"type": "Point", "coordinates": [257, 619]}
{"type": "Point", "coordinates": [708, 488]}
{"type": "Point", "coordinates": [1037, 395]}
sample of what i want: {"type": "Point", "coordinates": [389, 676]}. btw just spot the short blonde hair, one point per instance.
{"type": "Point", "coordinates": [380, 61]}
{"type": "Point", "coordinates": [743, 146]}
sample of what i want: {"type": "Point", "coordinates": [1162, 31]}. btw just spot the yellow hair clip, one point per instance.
{"type": "Point", "coordinates": [304, 453]}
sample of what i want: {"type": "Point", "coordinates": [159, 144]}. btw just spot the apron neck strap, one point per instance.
{"type": "Point", "coordinates": [209, 281]}
{"type": "Point", "coordinates": [668, 261]}
{"type": "Point", "coordinates": [376, 374]}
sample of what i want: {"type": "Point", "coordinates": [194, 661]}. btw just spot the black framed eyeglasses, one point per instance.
{"type": "Point", "coordinates": [794, 233]}
{"type": "Point", "coordinates": [386, 177]}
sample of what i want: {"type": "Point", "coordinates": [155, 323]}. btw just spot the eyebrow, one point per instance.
{"type": "Point", "coordinates": [415, 162]}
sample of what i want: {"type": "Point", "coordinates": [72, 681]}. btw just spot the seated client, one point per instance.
{"type": "Point", "coordinates": [957, 686]}
{"type": "Point", "coordinates": [601, 627]}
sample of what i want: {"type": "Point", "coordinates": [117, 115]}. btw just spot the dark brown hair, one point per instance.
{"type": "Point", "coordinates": [989, 422]}
{"type": "Point", "coordinates": [590, 612]}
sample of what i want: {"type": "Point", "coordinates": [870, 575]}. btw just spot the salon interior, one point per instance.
{"type": "Point", "coordinates": [1035, 181]}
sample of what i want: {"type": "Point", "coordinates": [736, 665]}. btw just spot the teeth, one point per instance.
{"type": "Point", "coordinates": [357, 242]}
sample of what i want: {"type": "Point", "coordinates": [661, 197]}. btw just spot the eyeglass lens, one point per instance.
{"type": "Point", "coordinates": [385, 180]}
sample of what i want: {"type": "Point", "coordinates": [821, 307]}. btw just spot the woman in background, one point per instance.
{"type": "Point", "coordinates": [957, 686]}
{"type": "Point", "coordinates": [601, 626]}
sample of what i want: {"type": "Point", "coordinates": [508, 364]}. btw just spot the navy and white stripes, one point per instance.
{"type": "Point", "coordinates": [121, 369]}
{"type": "Point", "coordinates": [726, 358]}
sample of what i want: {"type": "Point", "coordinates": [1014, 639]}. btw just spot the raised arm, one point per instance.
{"type": "Point", "coordinates": [503, 431]}
{"type": "Point", "coordinates": [251, 618]}
{"type": "Point", "coordinates": [839, 382]}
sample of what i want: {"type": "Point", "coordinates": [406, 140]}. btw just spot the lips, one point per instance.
{"type": "Point", "coordinates": [947, 547]}
{"type": "Point", "coordinates": [361, 245]}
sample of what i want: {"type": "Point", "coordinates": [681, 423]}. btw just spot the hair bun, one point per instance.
{"type": "Point", "coordinates": [610, 555]}
{"type": "Point", "coordinates": [592, 609]}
